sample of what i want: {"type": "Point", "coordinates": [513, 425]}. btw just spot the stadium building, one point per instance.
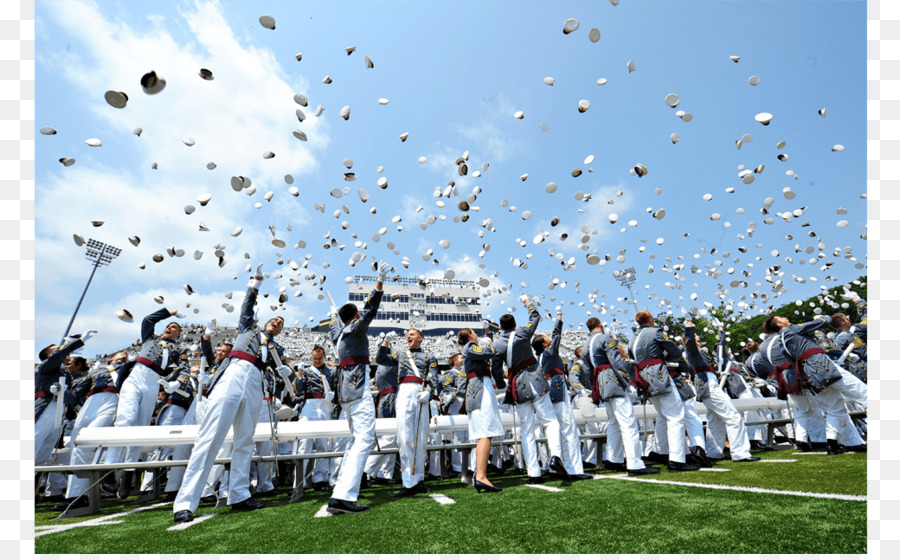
{"type": "Point", "coordinates": [434, 306]}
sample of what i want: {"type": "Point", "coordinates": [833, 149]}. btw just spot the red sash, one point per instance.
{"type": "Point", "coordinates": [247, 357]}
{"type": "Point", "coordinates": [151, 365]}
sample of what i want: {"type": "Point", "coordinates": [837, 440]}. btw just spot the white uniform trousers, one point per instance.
{"type": "Point", "coordinates": [171, 415]}
{"type": "Point", "coordinates": [382, 465]}
{"type": "Point", "coordinates": [542, 410]}
{"type": "Point", "coordinates": [723, 418]}
{"type": "Point", "coordinates": [99, 411]}
{"type": "Point", "coordinates": [853, 388]}
{"type": "Point", "coordinates": [264, 470]}
{"type": "Point", "coordinates": [571, 444]}
{"type": "Point", "coordinates": [235, 401]}
{"type": "Point", "coordinates": [670, 409]}
{"type": "Point", "coordinates": [623, 433]}
{"type": "Point", "coordinates": [362, 429]}
{"type": "Point", "coordinates": [313, 411]}
{"type": "Point", "coordinates": [830, 400]}
{"type": "Point", "coordinates": [457, 437]}
{"type": "Point", "coordinates": [182, 452]}
{"type": "Point", "coordinates": [45, 438]}
{"type": "Point", "coordinates": [809, 421]}
{"type": "Point", "coordinates": [409, 412]}
{"type": "Point", "coordinates": [434, 457]}
{"type": "Point", "coordinates": [137, 400]}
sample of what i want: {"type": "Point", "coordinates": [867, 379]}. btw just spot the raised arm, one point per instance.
{"type": "Point", "coordinates": [148, 325]}
{"type": "Point", "coordinates": [556, 336]}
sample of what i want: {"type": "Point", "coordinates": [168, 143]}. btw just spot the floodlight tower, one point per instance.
{"type": "Point", "coordinates": [99, 253]}
{"type": "Point", "coordinates": [626, 278]}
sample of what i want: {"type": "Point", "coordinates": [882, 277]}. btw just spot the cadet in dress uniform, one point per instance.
{"type": "Point", "coordinates": [552, 367]}
{"type": "Point", "coordinates": [480, 404]}
{"type": "Point", "coordinates": [139, 388]}
{"type": "Point", "coordinates": [721, 415]}
{"type": "Point", "coordinates": [380, 468]}
{"type": "Point", "coordinates": [418, 379]}
{"type": "Point", "coordinates": [453, 394]}
{"type": "Point", "coordinates": [218, 363]}
{"type": "Point", "coordinates": [47, 394]}
{"type": "Point", "coordinates": [348, 333]}
{"type": "Point", "coordinates": [234, 400]}
{"type": "Point", "coordinates": [816, 375]}
{"type": "Point", "coordinates": [528, 390]}
{"type": "Point", "coordinates": [857, 360]}
{"type": "Point", "coordinates": [650, 349]}
{"type": "Point", "coordinates": [313, 387]}
{"type": "Point", "coordinates": [580, 391]}
{"type": "Point", "coordinates": [611, 386]}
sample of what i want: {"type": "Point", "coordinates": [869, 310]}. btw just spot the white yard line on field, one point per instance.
{"type": "Point", "coordinates": [442, 499]}
{"type": "Point", "coordinates": [848, 497]}
{"type": "Point", "coordinates": [322, 512]}
{"type": "Point", "coordinates": [201, 519]}
{"type": "Point", "coordinates": [714, 469]}
{"type": "Point", "coordinates": [51, 529]}
{"type": "Point", "coordinates": [547, 488]}
{"type": "Point", "coordinates": [778, 460]}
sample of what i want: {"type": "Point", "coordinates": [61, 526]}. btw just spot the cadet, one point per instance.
{"type": "Point", "coordinates": [380, 468]}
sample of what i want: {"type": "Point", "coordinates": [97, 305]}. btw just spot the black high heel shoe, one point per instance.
{"type": "Point", "coordinates": [482, 487]}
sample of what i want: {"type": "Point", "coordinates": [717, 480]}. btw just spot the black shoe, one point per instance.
{"type": "Point", "coordinates": [71, 504]}
{"type": "Point", "coordinates": [125, 485]}
{"type": "Point", "coordinates": [655, 457]}
{"type": "Point", "coordinates": [266, 494]}
{"type": "Point", "coordinates": [861, 448]}
{"type": "Point", "coordinates": [343, 506]}
{"type": "Point", "coordinates": [247, 505]}
{"type": "Point", "coordinates": [381, 481]}
{"type": "Point", "coordinates": [211, 499]}
{"type": "Point", "coordinates": [803, 446]}
{"type": "Point", "coordinates": [183, 516]}
{"type": "Point", "coordinates": [536, 480]}
{"type": "Point", "coordinates": [611, 466]}
{"type": "Point", "coordinates": [321, 486]}
{"type": "Point", "coordinates": [749, 459]}
{"type": "Point", "coordinates": [818, 445]}
{"type": "Point", "coordinates": [756, 445]}
{"type": "Point", "coordinates": [482, 487]}
{"type": "Point", "coordinates": [586, 465]}
{"type": "Point", "coordinates": [419, 488]}
{"type": "Point", "coordinates": [582, 477]}
{"type": "Point", "coordinates": [54, 499]}
{"type": "Point", "coordinates": [832, 447]}
{"type": "Point", "coordinates": [675, 466]}
{"type": "Point", "coordinates": [700, 455]}
{"type": "Point", "coordinates": [559, 469]}
{"type": "Point", "coordinates": [641, 472]}
{"type": "Point", "coordinates": [364, 481]}
{"type": "Point", "coordinates": [508, 464]}
{"type": "Point", "coordinates": [108, 489]}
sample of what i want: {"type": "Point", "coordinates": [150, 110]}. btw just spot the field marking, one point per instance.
{"type": "Point", "coordinates": [777, 461]}
{"type": "Point", "coordinates": [442, 499]}
{"type": "Point", "coordinates": [201, 519]}
{"type": "Point", "coordinates": [810, 453]}
{"type": "Point", "coordinates": [52, 529]}
{"type": "Point", "coordinates": [322, 512]}
{"type": "Point", "coordinates": [753, 489]}
{"type": "Point", "coordinates": [547, 488]}
{"type": "Point", "coordinates": [714, 469]}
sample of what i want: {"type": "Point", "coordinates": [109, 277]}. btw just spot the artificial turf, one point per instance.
{"type": "Point", "coordinates": [594, 516]}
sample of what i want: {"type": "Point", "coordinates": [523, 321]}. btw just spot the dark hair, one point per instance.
{"type": "Point", "coordinates": [507, 322]}
{"type": "Point", "coordinates": [579, 352]}
{"type": "Point", "coordinates": [592, 323]}
{"type": "Point", "coordinates": [837, 319]}
{"type": "Point", "coordinates": [752, 346]}
{"type": "Point", "coordinates": [418, 331]}
{"type": "Point", "coordinates": [452, 358]}
{"type": "Point", "coordinates": [348, 312]}
{"type": "Point", "coordinates": [770, 327]}
{"type": "Point", "coordinates": [537, 343]}
{"type": "Point", "coordinates": [462, 337]}
{"type": "Point", "coordinates": [317, 349]}
{"type": "Point", "coordinates": [80, 362]}
{"type": "Point", "coordinates": [45, 353]}
{"type": "Point", "coordinates": [643, 317]}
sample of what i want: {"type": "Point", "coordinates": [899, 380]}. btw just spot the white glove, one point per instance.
{"type": "Point", "coordinates": [180, 315]}
{"type": "Point", "coordinates": [254, 283]}
{"type": "Point", "coordinates": [485, 341]}
{"type": "Point", "coordinates": [284, 413]}
{"type": "Point", "coordinates": [283, 370]}
{"type": "Point", "coordinates": [171, 386]}
{"type": "Point", "coordinates": [852, 358]}
{"type": "Point", "coordinates": [522, 298]}
{"type": "Point", "coordinates": [390, 335]}
{"type": "Point", "coordinates": [329, 396]}
{"type": "Point", "coordinates": [423, 397]}
{"type": "Point", "coordinates": [210, 328]}
{"type": "Point", "coordinates": [383, 271]}
{"type": "Point", "coordinates": [485, 324]}
{"type": "Point", "coordinates": [55, 389]}
{"type": "Point", "coordinates": [259, 269]}
{"type": "Point", "coordinates": [86, 335]}
{"type": "Point", "coordinates": [333, 312]}
{"type": "Point", "coordinates": [822, 318]}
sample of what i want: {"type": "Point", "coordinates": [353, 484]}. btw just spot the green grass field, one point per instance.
{"type": "Point", "coordinates": [595, 516]}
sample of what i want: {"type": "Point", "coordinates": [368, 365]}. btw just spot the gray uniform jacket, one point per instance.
{"type": "Point", "coordinates": [476, 359]}
{"type": "Point", "coordinates": [650, 343]}
{"type": "Point", "coordinates": [861, 329]}
{"type": "Point", "coordinates": [49, 371]}
{"type": "Point", "coordinates": [163, 353]}
{"type": "Point", "coordinates": [601, 349]}
{"type": "Point", "coordinates": [698, 361]}
{"type": "Point", "coordinates": [580, 377]}
{"type": "Point", "coordinates": [552, 366]}
{"type": "Point", "coordinates": [426, 366]}
{"type": "Point", "coordinates": [843, 339]}
{"type": "Point", "coordinates": [386, 381]}
{"type": "Point", "coordinates": [818, 368]}
{"type": "Point", "coordinates": [248, 341]}
{"type": "Point", "coordinates": [529, 383]}
{"type": "Point", "coordinates": [352, 347]}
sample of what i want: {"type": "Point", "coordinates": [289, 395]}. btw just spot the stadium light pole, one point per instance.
{"type": "Point", "coordinates": [98, 253]}
{"type": "Point", "coordinates": [626, 278]}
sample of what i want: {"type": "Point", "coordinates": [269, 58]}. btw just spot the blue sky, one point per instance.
{"type": "Point", "coordinates": [454, 74]}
